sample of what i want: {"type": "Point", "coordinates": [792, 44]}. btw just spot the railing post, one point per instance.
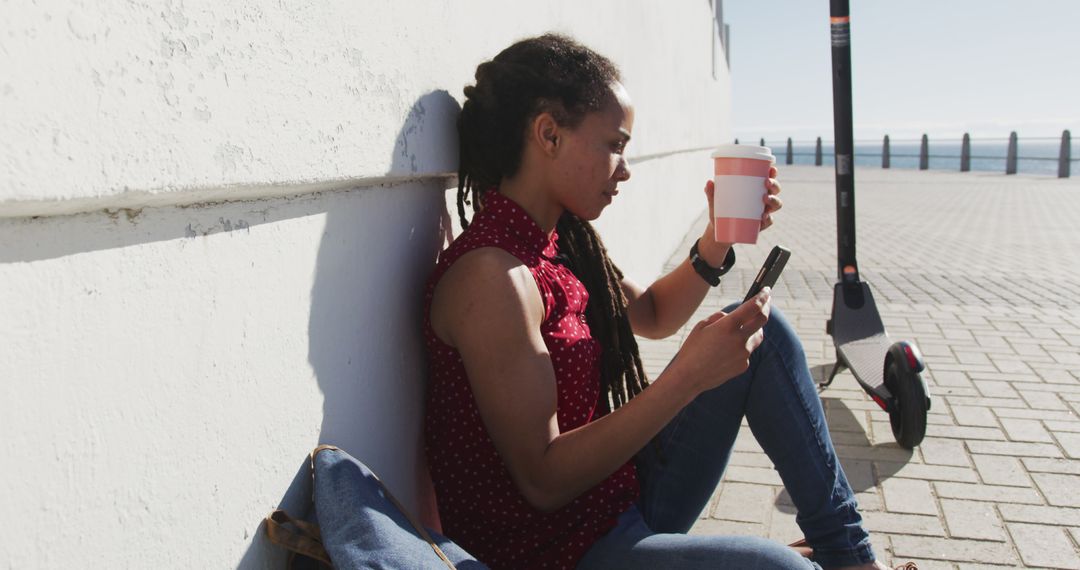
{"type": "Point", "coordinates": [924, 153]}
{"type": "Point", "coordinates": [1010, 159]}
{"type": "Point", "coordinates": [790, 154]}
{"type": "Point", "coordinates": [965, 154]}
{"type": "Point", "coordinates": [817, 152]}
{"type": "Point", "coordinates": [762, 142]}
{"type": "Point", "coordinates": [1066, 154]}
{"type": "Point", "coordinates": [885, 159]}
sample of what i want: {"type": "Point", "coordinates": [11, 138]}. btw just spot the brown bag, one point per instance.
{"type": "Point", "coordinates": [300, 538]}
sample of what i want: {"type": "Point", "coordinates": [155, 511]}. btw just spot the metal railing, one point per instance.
{"type": "Point", "coordinates": [1012, 157]}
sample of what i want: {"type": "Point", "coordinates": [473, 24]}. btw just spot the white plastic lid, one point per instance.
{"type": "Point", "coordinates": [744, 151]}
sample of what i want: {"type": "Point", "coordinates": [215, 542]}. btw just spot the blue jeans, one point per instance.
{"type": "Point", "coordinates": [681, 468]}
{"type": "Point", "coordinates": [362, 528]}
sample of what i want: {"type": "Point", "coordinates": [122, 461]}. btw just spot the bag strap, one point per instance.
{"type": "Point", "coordinates": [302, 537]}
{"type": "Point", "coordinates": [416, 525]}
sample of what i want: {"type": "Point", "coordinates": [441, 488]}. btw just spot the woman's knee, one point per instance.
{"type": "Point", "coordinates": [777, 327]}
{"type": "Point", "coordinates": [749, 552]}
{"type": "Point", "coordinates": [774, 309]}
{"type": "Point", "coordinates": [677, 550]}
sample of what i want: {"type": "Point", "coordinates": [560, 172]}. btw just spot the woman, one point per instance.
{"type": "Point", "coordinates": [545, 447]}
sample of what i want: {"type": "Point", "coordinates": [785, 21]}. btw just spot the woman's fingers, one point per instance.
{"type": "Point", "coordinates": [772, 185]}
{"type": "Point", "coordinates": [754, 324]}
{"type": "Point", "coordinates": [719, 347]}
{"type": "Point", "coordinates": [772, 199]}
{"type": "Point", "coordinates": [772, 204]}
{"type": "Point", "coordinates": [755, 340]}
{"type": "Point", "coordinates": [710, 191]}
{"type": "Point", "coordinates": [751, 315]}
{"type": "Point", "coordinates": [714, 317]}
{"type": "Point", "coordinates": [709, 320]}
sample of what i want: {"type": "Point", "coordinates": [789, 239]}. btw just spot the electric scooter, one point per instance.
{"type": "Point", "coordinates": [888, 372]}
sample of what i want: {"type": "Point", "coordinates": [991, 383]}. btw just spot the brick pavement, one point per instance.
{"type": "Point", "coordinates": [982, 271]}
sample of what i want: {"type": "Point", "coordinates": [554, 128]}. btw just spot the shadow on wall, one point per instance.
{"type": "Point", "coordinates": [377, 250]}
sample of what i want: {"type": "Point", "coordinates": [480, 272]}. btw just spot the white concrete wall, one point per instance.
{"type": "Point", "coordinates": [215, 223]}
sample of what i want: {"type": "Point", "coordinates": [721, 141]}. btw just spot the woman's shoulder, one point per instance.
{"type": "Point", "coordinates": [485, 265]}
{"type": "Point", "coordinates": [483, 285]}
{"type": "Point", "coordinates": [485, 257]}
{"type": "Point", "coordinates": [480, 253]}
{"type": "Point", "coordinates": [481, 236]}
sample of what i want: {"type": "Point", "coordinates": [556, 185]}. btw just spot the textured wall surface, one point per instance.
{"type": "Point", "coordinates": [215, 224]}
{"type": "Point", "coordinates": [164, 374]}
{"type": "Point", "coordinates": [127, 101]}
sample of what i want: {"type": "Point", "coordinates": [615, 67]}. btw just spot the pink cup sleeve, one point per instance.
{"type": "Point", "coordinates": [741, 167]}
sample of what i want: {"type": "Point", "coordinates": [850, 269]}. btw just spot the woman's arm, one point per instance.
{"type": "Point", "coordinates": [489, 308]}
{"type": "Point", "coordinates": [663, 308]}
{"type": "Point", "coordinates": [667, 304]}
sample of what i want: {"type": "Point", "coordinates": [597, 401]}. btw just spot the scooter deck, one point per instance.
{"type": "Point", "coordinates": [859, 335]}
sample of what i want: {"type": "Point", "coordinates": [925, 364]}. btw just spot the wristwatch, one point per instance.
{"type": "Point", "coordinates": [711, 274]}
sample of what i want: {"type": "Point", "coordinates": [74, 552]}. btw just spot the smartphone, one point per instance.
{"type": "Point", "coordinates": [770, 271]}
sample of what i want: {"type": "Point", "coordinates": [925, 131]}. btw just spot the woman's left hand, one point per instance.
{"type": "Point", "coordinates": [772, 198]}
{"type": "Point", "coordinates": [712, 251]}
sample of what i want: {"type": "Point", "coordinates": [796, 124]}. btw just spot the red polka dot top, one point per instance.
{"type": "Point", "coordinates": [479, 505]}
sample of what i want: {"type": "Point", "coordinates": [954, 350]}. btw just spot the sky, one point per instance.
{"type": "Point", "coordinates": [941, 67]}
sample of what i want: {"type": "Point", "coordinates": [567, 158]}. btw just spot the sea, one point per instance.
{"type": "Point", "coordinates": [1038, 156]}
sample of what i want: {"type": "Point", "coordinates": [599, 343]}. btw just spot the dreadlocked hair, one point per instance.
{"type": "Point", "coordinates": [621, 374]}
{"type": "Point", "coordinates": [553, 74]}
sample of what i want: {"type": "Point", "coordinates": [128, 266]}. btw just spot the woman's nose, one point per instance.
{"type": "Point", "coordinates": [622, 172]}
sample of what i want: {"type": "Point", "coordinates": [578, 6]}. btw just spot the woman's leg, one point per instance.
{"type": "Point", "coordinates": [680, 469]}
{"type": "Point", "coordinates": [784, 412]}
{"type": "Point", "coordinates": [632, 545]}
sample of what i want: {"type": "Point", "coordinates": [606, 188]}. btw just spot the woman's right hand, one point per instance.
{"type": "Point", "coordinates": [719, 347]}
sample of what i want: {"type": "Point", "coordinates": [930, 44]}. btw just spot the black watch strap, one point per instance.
{"type": "Point", "coordinates": [711, 274]}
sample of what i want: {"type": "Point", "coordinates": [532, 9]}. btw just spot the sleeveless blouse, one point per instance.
{"type": "Point", "coordinates": [479, 505]}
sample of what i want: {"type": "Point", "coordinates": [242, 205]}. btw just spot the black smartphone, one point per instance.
{"type": "Point", "coordinates": [770, 271]}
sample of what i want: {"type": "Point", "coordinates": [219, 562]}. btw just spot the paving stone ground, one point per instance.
{"type": "Point", "coordinates": [982, 271]}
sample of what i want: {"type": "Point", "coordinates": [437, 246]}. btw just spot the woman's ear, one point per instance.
{"type": "Point", "coordinates": [545, 133]}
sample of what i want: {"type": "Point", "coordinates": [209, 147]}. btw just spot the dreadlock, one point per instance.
{"type": "Point", "coordinates": [622, 376]}
{"type": "Point", "coordinates": [557, 75]}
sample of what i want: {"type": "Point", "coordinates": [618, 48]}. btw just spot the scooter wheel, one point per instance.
{"type": "Point", "coordinates": [908, 417]}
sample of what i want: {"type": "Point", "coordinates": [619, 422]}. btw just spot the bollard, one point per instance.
{"type": "Point", "coordinates": [790, 154]}
{"type": "Point", "coordinates": [885, 152]}
{"type": "Point", "coordinates": [1066, 154]}
{"type": "Point", "coordinates": [736, 141]}
{"type": "Point", "coordinates": [924, 153]}
{"type": "Point", "coordinates": [1010, 160]}
{"type": "Point", "coordinates": [762, 142]}
{"type": "Point", "coordinates": [817, 152]}
{"type": "Point", "coordinates": [965, 154]}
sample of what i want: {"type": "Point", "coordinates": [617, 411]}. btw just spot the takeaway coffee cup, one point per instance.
{"type": "Point", "coordinates": [738, 199]}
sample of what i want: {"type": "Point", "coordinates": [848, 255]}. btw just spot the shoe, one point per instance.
{"type": "Point", "coordinates": [802, 547]}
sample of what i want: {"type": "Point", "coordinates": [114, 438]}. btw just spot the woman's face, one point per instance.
{"type": "Point", "coordinates": [591, 162]}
